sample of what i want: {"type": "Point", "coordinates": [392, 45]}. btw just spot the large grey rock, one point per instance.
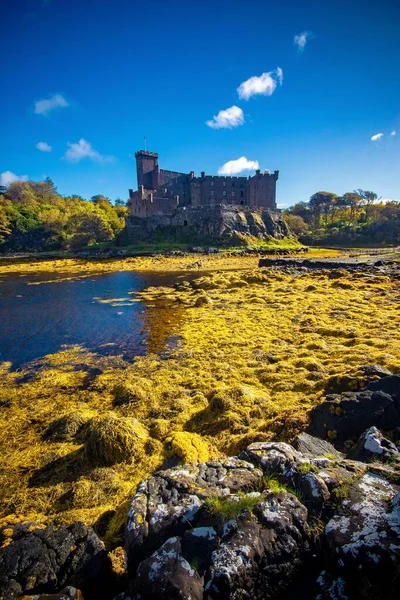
{"type": "Point", "coordinates": [373, 446]}
{"type": "Point", "coordinates": [35, 560]}
{"type": "Point", "coordinates": [169, 503]}
{"type": "Point", "coordinates": [312, 446]}
{"type": "Point", "coordinates": [167, 574]}
{"type": "Point", "coordinates": [364, 535]}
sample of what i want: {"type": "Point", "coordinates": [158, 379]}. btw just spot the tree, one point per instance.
{"type": "Point", "coordinates": [353, 200]}
{"type": "Point", "coordinates": [322, 203]}
{"type": "Point", "coordinates": [296, 223]}
{"type": "Point", "coordinates": [368, 198]}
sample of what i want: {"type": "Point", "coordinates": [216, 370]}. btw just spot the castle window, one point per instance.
{"type": "Point", "coordinates": [185, 223]}
{"type": "Point", "coordinates": [212, 183]}
{"type": "Point", "coordinates": [212, 193]}
{"type": "Point", "coordinates": [224, 193]}
{"type": "Point", "coordinates": [224, 183]}
{"type": "Point", "coordinates": [233, 194]}
{"type": "Point", "coordinates": [233, 184]}
{"type": "Point", "coordinates": [241, 194]}
{"type": "Point", "coordinates": [241, 202]}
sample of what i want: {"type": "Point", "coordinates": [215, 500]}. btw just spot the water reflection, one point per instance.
{"type": "Point", "coordinates": [100, 313]}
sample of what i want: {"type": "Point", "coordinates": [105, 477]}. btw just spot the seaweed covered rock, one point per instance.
{"type": "Point", "coordinates": [34, 560]}
{"type": "Point", "coordinates": [348, 415]}
{"type": "Point", "coordinates": [110, 439]}
{"type": "Point", "coordinates": [67, 427]}
{"type": "Point", "coordinates": [372, 445]}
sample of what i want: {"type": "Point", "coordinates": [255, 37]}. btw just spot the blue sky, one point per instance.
{"type": "Point", "coordinates": [88, 79]}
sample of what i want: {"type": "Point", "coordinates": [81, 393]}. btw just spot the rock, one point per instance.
{"type": "Point", "coordinates": [261, 556]}
{"type": "Point", "coordinates": [170, 502]}
{"type": "Point", "coordinates": [68, 593]}
{"type": "Point", "coordinates": [363, 535]}
{"type": "Point", "coordinates": [67, 427]}
{"type": "Point", "coordinates": [347, 415]}
{"type": "Point", "coordinates": [33, 559]}
{"type": "Point", "coordinates": [331, 588]}
{"type": "Point", "coordinates": [371, 446]}
{"type": "Point", "coordinates": [167, 574]}
{"type": "Point", "coordinates": [202, 300]}
{"type": "Point", "coordinates": [272, 457]}
{"type": "Point", "coordinates": [375, 371]}
{"type": "Point", "coordinates": [312, 446]}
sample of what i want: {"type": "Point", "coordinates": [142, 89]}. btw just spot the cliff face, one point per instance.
{"type": "Point", "coordinates": [218, 224]}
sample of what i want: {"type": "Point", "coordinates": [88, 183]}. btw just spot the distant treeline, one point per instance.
{"type": "Point", "coordinates": [356, 218]}
{"type": "Point", "coordinates": [34, 217]}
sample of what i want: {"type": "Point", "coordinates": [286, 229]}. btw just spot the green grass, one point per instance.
{"type": "Point", "coordinates": [229, 508]}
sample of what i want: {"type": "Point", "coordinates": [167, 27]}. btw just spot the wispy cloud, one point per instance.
{"type": "Point", "coordinates": [264, 85]}
{"type": "Point", "coordinates": [233, 167]}
{"type": "Point", "coordinates": [301, 40]}
{"type": "Point", "coordinates": [42, 107]}
{"type": "Point", "coordinates": [376, 137]}
{"type": "Point", "coordinates": [83, 149]}
{"type": "Point", "coordinates": [227, 119]}
{"type": "Point", "coordinates": [393, 132]}
{"type": "Point", "coordinates": [8, 177]}
{"type": "Point", "coordinates": [44, 147]}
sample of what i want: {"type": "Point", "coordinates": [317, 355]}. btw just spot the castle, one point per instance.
{"type": "Point", "coordinates": [160, 193]}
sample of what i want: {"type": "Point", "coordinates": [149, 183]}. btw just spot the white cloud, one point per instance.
{"type": "Point", "coordinates": [8, 177]}
{"type": "Point", "coordinates": [265, 84]}
{"type": "Point", "coordinates": [376, 137]}
{"type": "Point", "coordinates": [227, 119]}
{"type": "Point", "coordinates": [42, 107]}
{"type": "Point", "coordinates": [393, 132]}
{"type": "Point", "coordinates": [83, 149]}
{"type": "Point", "coordinates": [233, 167]}
{"type": "Point", "coordinates": [44, 147]}
{"type": "Point", "coordinates": [301, 40]}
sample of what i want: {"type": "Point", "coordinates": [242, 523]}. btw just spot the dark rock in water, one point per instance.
{"type": "Point", "coordinates": [312, 446]}
{"type": "Point", "coordinates": [371, 446]}
{"type": "Point", "coordinates": [43, 561]}
{"type": "Point", "coordinates": [347, 415]}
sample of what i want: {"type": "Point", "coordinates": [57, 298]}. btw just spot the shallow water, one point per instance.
{"type": "Point", "coordinates": [39, 315]}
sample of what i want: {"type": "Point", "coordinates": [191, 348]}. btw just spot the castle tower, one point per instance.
{"type": "Point", "coordinates": [147, 169]}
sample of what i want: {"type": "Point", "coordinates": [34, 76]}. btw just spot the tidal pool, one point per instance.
{"type": "Point", "coordinates": [40, 314]}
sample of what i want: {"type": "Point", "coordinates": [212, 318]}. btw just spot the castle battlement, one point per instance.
{"type": "Point", "coordinates": [160, 192]}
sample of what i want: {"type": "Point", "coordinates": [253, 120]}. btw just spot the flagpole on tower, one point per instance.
{"type": "Point", "coordinates": [145, 144]}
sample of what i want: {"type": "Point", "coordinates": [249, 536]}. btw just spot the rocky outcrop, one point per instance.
{"type": "Point", "coordinates": [347, 415]}
{"type": "Point", "coordinates": [237, 529]}
{"type": "Point", "coordinates": [372, 445]}
{"type": "Point", "coordinates": [34, 560]}
{"type": "Point", "coordinates": [219, 224]}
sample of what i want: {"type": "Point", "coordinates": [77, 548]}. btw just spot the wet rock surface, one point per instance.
{"type": "Point", "coordinates": [39, 561]}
